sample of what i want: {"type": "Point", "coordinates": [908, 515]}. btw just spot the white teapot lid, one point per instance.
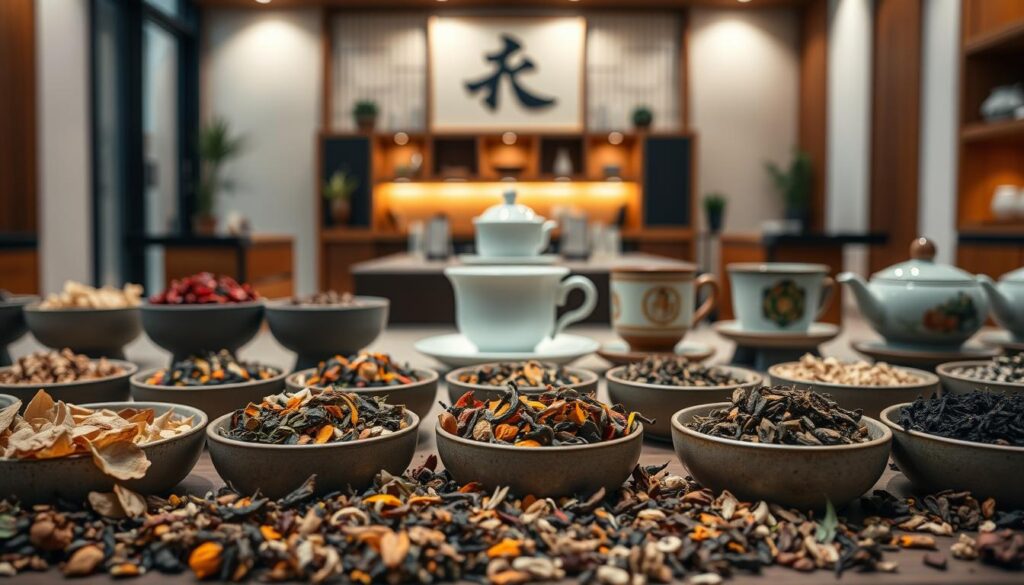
{"type": "Point", "coordinates": [922, 268]}
{"type": "Point", "coordinates": [509, 211]}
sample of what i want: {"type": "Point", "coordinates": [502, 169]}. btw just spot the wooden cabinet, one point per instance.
{"type": "Point", "coordinates": [264, 261]}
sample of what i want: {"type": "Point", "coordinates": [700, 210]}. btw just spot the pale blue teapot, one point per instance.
{"type": "Point", "coordinates": [1007, 298]}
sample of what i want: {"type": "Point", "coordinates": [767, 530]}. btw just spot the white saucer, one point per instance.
{"type": "Point", "coordinates": [618, 352]}
{"type": "Point", "coordinates": [456, 351]}
{"type": "Point", "coordinates": [815, 335]}
{"type": "Point", "coordinates": [477, 260]}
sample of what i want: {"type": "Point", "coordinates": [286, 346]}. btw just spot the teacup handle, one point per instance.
{"type": "Point", "coordinates": [705, 280]}
{"type": "Point", "coordinates": [583, 311]}
{"type": "Point", "coordinates": [828, 293]}
{"type": "Point", "coordinates": [545, 240]}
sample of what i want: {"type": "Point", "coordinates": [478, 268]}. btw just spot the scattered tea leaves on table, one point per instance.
{"type": "Point", "coordinates": [211, 369]}
{"type": "Point", "coordinates": [677, 371]}
{"type": "Point", "coordinates": [57, 367]}
{"type": "Point", "coordinates": [362, 370]}
{"type": "Point", "coordinates": [980, 417]}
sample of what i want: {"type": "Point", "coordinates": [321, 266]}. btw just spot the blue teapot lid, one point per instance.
{"type": "Point", "coordinates": [922, 268]}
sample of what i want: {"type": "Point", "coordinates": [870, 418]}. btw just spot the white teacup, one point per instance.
{"type": "Point", "coordinates": [779, 296]}
{"type": "Point", "coordinates": [653, 308]}
{"type": "Point", "coordinates": [512, 308]}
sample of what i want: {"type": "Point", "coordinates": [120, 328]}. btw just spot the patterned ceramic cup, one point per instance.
{"type": "Point", "coordinates": [652, 308]}
{"type": "Point", "coordinates": [779, 296]}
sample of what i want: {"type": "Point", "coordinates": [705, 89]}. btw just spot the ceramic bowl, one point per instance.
{"type": "Point", "coordinates": [871, 400]}
{"type": "Point", "coordinates": [418, 397]}
{"type": "Point", "coordinates": [94, 332]}
{"type": "Point", "coordinates": [317, 332]}
{"type": "Point", "coordinates": [109, 389]}
{"type": "Point", "coordinates": [660, 402]}
{"type": "Point", "coordinates": [587, 385]}
{"type": "Point", "coordinates": [960, 384]}
{"type": "Point", "coordinates": [72, 478]}
{"type": "Point", "coordinates": [796, 476]}
{"type": "Point", "coordinates": [934, 463]}
{"type": "Point", "coordinates": [542, 471]}
{"type": "Point", "coordinates": [12, 323]}
{"type": "Point", "coordinates": [184, 330]}
{"type": "Point", "coordinates": [276, 470]}
{"type": "Point", "coordinates": [7, 400]}
{"type": "Point", "coordinates": [213, 400]}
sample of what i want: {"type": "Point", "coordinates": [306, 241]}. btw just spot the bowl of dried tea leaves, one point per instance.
{"type": "Point", "coordinates": [490, 381]}
{"type": "Point", "coordinates": [1004, 373]}
{"type": "Point", "coordinates": [68, 376]}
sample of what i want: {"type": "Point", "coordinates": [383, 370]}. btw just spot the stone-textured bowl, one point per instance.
{"type": "Point", "coordinates": [94, 332]}
{"type": "Point", "coordinates": [7, 400]}
{"type": "Point", "coordinates": [796, 476]}
{"type": "Point", "coordinates": [587, 385]}
{"type": "Point", "coordinates": [184, 330]}
{"type": "Point", "coordinates": [934, 463]}
{"type": "Point", "coordinates": [213, 400]}
{"type": "Point", "coordinates": [957, 383]}
{"type": "Point", "coordinates": [12, 323]}
{"type": "Point", "coordinates": [418, 397]}
{"type": "Point", "coordinates": [317, 332]}
{"type": "Point", "coordinates": [542, 471]}
{"type": "Point", "coordinates": [109, 389]}
{"type": "Point", "coordinates": [72, 478]}
{"type": "Point", "coordinates": [276, 470]}
{"type": "Point", "coordinates": [871, 400]}
{"type": "Point", "coordinates": [661, 402]}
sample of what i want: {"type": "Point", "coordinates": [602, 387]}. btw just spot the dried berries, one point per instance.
{"type": "Point", "coordinates": [57, 367]}
{"type": "Point", "coordinates": [363, 370]}
{"type": "Point", "coordinates": [212, 369]}
{"type": "Point", "coordinates": [528, 374]}
{"type": "Point", "coordinates": [980, 417]}
{"type": "Point", "coordinates": [309, 417]}
{"type": "Point", "coordinates": [82, 296]}
{"type": "Point", "coordinates": [205, 288]}
{"type": "Point", "coordinates": [677, 371]}
{"type": "Point", "coordinates": [832, 371]}
{"type": "Point", "coordinates": [783, 416]}
{"type": "Point", "coordinates": [553, 418]}
{"type": "Point", "coordinates": [328, 298]}
{"type": "Point", "coordinates": [1004, 368]}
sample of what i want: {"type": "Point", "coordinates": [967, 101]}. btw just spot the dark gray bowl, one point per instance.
{"type": "Point", "coordinates": [317, 332]}
{"type": "Point", "coordinates": [276, 470]}
{"type": "Point", "coordinates": [871, 400]}
{"type": "Point", "coordinates": [12, 323]}
{"type": "Point", "coordinates": [661, 402]}
{"type": "Point", "coordinates": [487, 392]}
{"type": "Point", "coordinates": [185, 330]}
{"type": "Point", "coordinates": [542, 471]}
{"type": "Point", "coordinates": [110, 389]}
{"type": "Point", "coordinates": [957, 383]}
{"type": "Point", "coordinates": [94, 332]}
{"type": "Point", "coordinates": [934, 463]}
{"type": "Point", "coordinates": [212, 400]}
{"type": "Point", "coordinates": [72, 478]}
{"type": "Point", "coordinates": [418, 397]}
{"type": "Point", "coordinates": [795, 476]}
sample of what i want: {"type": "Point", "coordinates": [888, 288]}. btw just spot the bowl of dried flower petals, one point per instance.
{"type": "Point", "coordinates": [60, 450]}
{"type": "Point", "coordinates": [98, 322]}
{"type": "Point", "coordinates": [372, 374]}
{"type": "Point", "coordinates": [68, 376]}
{"type": "Point", "coordinates": [344, 438]}
{"type": "Point", "coordinates": [558, 443]}
{"type": "Point", "coordinates": [856, 385]}
{"type": "Point", "coordinates": [489, 381]}
{"type": "Point", "coordinates": [214, 382]}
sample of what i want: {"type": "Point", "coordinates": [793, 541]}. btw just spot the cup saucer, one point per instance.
{"type": "Point", "coordinates": [922, 357]}
{"type": "Point", "coordinates": [477, 260]}
{"type": "Point", "coordinates": [815, 335]}
{"type": "Point", "coordinates": [618, 352]}
{"type": "Point", "coordinates": [455, 351]}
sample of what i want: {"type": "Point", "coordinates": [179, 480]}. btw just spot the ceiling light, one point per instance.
{"type": "Point", "coordinates": [615, 138]}
{"type": "Point", "coordinates": [508, 138]}
{"type": "Point", "coordinates": [401, 138]}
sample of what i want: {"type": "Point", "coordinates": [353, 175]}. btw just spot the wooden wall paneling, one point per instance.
{"type": "Point", "coordinates": [19, 271]}
{"type": "Point", "coordinates": [813, 111]}
{"type": "Point", "coordinates": [895, 128]}
{"type": "Point", "coordinates": [992, 260]}
{"type": "Point", "coordinates": [987, 16]}
{"type": "Point", "coordinates": [17, 116]}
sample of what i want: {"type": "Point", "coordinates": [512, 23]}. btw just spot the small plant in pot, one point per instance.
{"type": "Point", "coordinates": [365, 114]}
{"type": "Point", "coordinates": [714, 211]}
{"type": "Point", "coordinates": [337, 191]}
{"type": "Point", "coordinates": [217, 145]}
{"type": "Point", "coordinates": [643, 117]}
{"type": "Point", "coordinates": [794, 185]}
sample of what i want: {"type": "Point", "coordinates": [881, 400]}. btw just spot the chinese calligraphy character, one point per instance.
{"type": "Point", "coordinates": [492, 82]}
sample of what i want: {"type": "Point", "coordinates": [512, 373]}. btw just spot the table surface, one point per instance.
{"type": "Point", "coordinates": [399, 342]}
{"type": "Point", "coordinates": [406, 263]}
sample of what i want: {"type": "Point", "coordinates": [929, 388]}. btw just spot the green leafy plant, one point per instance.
{"type": "Point", "coordinates": [365, 112]}
{"type": "Point", "coordinates": [642, 116]}
{"type": "Point", "coordinates": [714, 202]}
{"type": "Point", "coordinates": [793, 183]}
{"type": "Point", "coordinates": [340, 186]}
{"type": "Point", "coordinates": [217, 145]}
{"type": "Point", "coordinates": [826, 531]}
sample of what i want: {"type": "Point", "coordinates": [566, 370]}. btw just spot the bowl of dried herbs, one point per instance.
{"type": "Point", "coordinates": [791, 447]}
{"type": "Point", "coordinates": [372, 374]}
{"type": "Point", "coordinates": [659, 386]}
{"type": "Point", "coordinates": [558, 443]}
{"type": "Point", "coordinates": [490, 381]}
{"type": "Point", "coordinates": [1004, 373]}
{"type": "Point", "coordinates": [325, 324]}
{"type": "Point", "coordinates": [971, 441]}
{"type": "Point", "coordinates": [343, 438]}
{"type": "Point", "coordinates": [68, 376]}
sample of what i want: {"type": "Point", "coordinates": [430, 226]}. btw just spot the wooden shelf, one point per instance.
{"type": "Point", "coordinates": [1008, 227]}
{"type": "Point", "coordinates": [1008, 38]}
{"type": "Point", "coordinates": [1002, 131]}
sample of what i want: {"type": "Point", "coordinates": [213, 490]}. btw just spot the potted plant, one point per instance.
{"type": "Point", "coordinates": [365, 114]}
{"type": "Point", "coordinates": [714, 211]}
{"type": "Point", "coordinates": [794, 185]}
{"type": "Point", "coordinates": [642, 117]}
{"type": "Point", "coordinates": [337, 192]}
{"type": "Point", "coordinates": [217, 145]}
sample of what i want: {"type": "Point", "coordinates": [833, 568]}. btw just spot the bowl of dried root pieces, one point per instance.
{"type": "Point", "coordinates": [558, 443]}
{"type": "Point", "coordinates": [64, 451]}
{"type": "Point", "coordinates": [490, 381]}
{"type": "Point", "coordinates": [660, 386]}
{"type": "Point", "coordinates": [792, 447]}
{"type": "Point", "coordinates": [855, 385]}
{"type": "Point", "coordinates": [343, 438]}
{"type": "Point", "coordinates": [68, 376]}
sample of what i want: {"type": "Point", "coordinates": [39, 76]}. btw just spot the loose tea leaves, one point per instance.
{"type": "Point", "coordinates": [832, 371]}
{"type": "Point", "coordinates": [205, 288]}
{"type": "Point", "coordinates": [553, 418]}
{"type": "Point", "coordinates": [528, 374]}
{"type": "Point", "coordinates": [212, 369]}
{"type": "Point", "coordinates": [327, 298]}
{"type": "Point", "coordinates": [82, 296]}
{"type": "Point", "coordinates": [677, 371]}
{"type": "Point", "coordinates": [363, 370]}
{"type": "Point", "coordinates": [1004, 368]}
{"type": "Point", "coordinates": [309, 417]}
{"type": "Point", "coordinates": [57, 367]}
{"type": "Point", "coordinates": [783, 416]}
{"type": "Point", "coordinates": [980, 417]}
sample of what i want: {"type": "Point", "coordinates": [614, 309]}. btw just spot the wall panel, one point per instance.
{"type": "Point", "coordinates": [17, 116]}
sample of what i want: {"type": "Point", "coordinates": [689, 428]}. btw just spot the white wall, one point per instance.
{"type": "Point", "coordinates": [744, 74]}
{"type": "Point", "coordinates": [262, 72]}
{"type": "Point", "coordinates": [64, 148]}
